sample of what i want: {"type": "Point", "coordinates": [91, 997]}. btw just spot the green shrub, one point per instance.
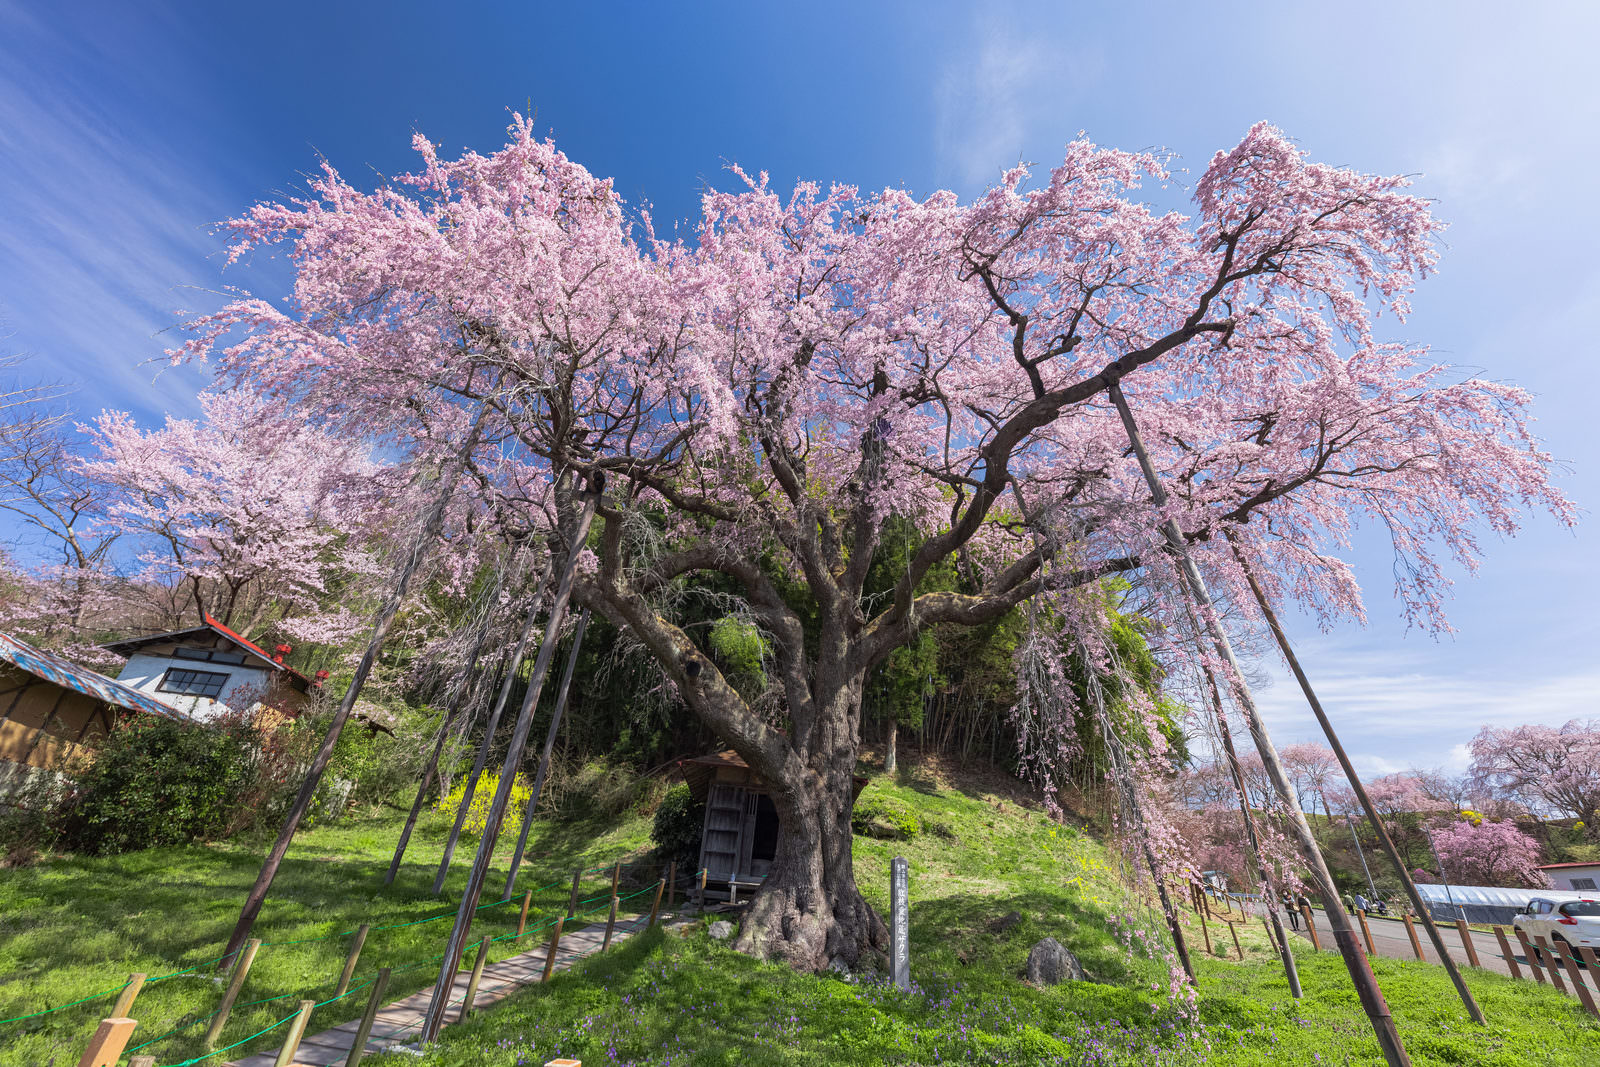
{"type": "Point", "coordinates": [677, 827]}
{"type": "Point", "coordinates": [878, 815]}
{"type": "Point", "coordinates": [155, 782]}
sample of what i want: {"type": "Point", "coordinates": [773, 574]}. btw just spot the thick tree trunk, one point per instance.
{"type": "Point", "coordinates": [891, 760]}
{"type": "Point", "coordinates": [809, 912]}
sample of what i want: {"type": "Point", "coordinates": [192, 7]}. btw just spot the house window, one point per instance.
{"type": "Point", "coordinates": [192, 683]}
{"type": "Point", "coordinates": [208, 654]}
{"type": "Point", "coordinates": [1583, 883]}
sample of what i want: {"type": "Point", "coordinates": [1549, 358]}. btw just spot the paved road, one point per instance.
{"type": "Point", "coordinates": [1389, 938]}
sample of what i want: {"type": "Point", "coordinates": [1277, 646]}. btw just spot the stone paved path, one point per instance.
{"type": "Point", "coordinates": [401, 1022]}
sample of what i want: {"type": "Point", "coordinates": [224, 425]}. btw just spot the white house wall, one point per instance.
{"type": "Point", "coordinates": [144, 673]}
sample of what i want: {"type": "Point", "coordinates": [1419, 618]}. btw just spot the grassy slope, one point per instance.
{"type": "Point", "coordinates": [680, 998]}
{"type": "Point", "coordinates": [77, 926]}
{"type": "Point", "coordinates": [71, 927]}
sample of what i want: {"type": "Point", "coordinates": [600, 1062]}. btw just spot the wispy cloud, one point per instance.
{"type": "Point", "coordinates": [106, 227]}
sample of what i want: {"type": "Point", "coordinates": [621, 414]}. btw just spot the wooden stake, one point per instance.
{"type": "Point", "coordinates": [1205, 931]}
{"type": "Point", "coordinates": [522, 920]}
{"type": "Point", "coordinates": [1551, 962]}
{"type": "Point", "coordinates": [1234, 930]}
{"type": "Point", "coordinates": [1506, 953]}
{"type": "Point", "coordinates": [1311, 926]}
{"type": "Point", "coordinates": [350, 960]}
{"type": "Point", "coordinates": [672, 885]}
{"type": "Point", "coordinates": [358, 1048]}
{"type": "Point", "coordinates": [550, 951]}
{"type": "Point", "coordinates": [297, 1030]}
{"type": "Point", "coordinates": [1366, 932]}
{"type": "Point", "coordinates": [434, 1019]}
{"type": "Point", "coordinates": [1531, 954]}
{"type": "Point", "coordinates": [124, 1006]}
{"type": "Point", "coordinates": [235, 983]}
{"type": "Point", "coordinates": [1411, 932]}
{"type": "Point", "coordinates": [611, 924]}
{"type": "Point", "coordinates": [472, 983]}
{"type": "Point", "coordinates": [1371, 996]}
{"type": "Point", "coordinates": [703, 872]}
{"type": "Point", "coordinates": [1466, 943]}
{"type": "Point", "coordinates": [616, 876]}
{"type": "Point", "coordinates": [655, 905]}
{"type": "Point", "coordinates": [380, 630]}
{"type": "Point", "coordinates": [549, 747]}
{"type": "Point", "coordinates": [572, 901]}
{"type": "Point", "coordinates": [105, 1047]}
{"type": "Point", "coordinates": [1592, 958]}
{"type": "Point", "coordinates": [1564, 953]}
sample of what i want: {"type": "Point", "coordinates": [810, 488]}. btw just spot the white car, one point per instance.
{"type": "Point", "coordinates": [1574, 922]}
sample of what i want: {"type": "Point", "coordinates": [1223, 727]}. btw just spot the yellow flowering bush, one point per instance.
{"type": "Point", "coordinates": [483, 799]}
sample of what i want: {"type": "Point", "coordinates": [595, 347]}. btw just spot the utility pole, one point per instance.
{"type": "Point", "coordinates": [1350, 821]}
{"type": "Point", "coordinates": [1461, 912]}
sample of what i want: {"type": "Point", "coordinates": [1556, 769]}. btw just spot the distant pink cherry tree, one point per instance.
{"type": "Point", "coordinates": [244, 513]}
{"type": "Point", "coordinates": [1489, 853]}
{"type": "Point", "coordinates": [764, 398]}
{"type": "Point", "coordinates": [1553, 771]}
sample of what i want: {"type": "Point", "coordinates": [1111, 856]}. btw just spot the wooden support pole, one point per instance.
{"type": "Point", "coordinates": [235, 983]}
{"type": "Point", "coordinates": [1532, 956]}
{"type": "Point", "coordinates": [1205, 931]}
{"type": "Point", "coordinates": [350, 960]}
{"type": "Point", "coordinates": [105, 1047]}
{"type": "Point", "coordinates": [472, 983]}
{"type": "Point", "coordinates": [703, 872]}
{"type": "Point", "coordinates": [1506, 953]}
{"type": "Point", "coordinates": [672, 885]}
{"type": "Point", "coordinates": [1565, 954]}
{"type": "Point", "coordinates": [1234, 930]}
{"type": "Point", "coordinates": [616, 877]}
{"type": "Point", "coordinates": [124, 1006]}
{"type": "Point", "coordinates": [522, 920]}
{"type": "Point", "coordinates": [551, 950]}
{"type": "Point", "coordinates": [1311, 926]}
{"type": "Point", "coordinates": [358, 1047]}
{"type": "Point", "coordinates": [655, 905]}
{"type": "Point", "coordinates": [572, 901]}
{"type": "Point", "coordinates": [420, 544]}
{"type": "Point", "coordinates": [1550, 961]}
{"type": "Point", "coordinates": [611, 924]}
{"type": "Point", "coordinates": [1366, 932]}
{"type": "Point", "coordinates": [1411, 932]}
{"type": "Point", "coordinates": [1467, 942]}
{"type": "Point", "coordinates": [433, 1020]}
{"type": "Point", "coordinates": [1592, 958]}
{"type": "Point", "coordinates": [297, 1030]}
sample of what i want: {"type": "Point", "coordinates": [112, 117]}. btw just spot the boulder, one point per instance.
{"type": "Point", "coordinates": [1049, 962]}
{"type": "Point", "coordinates": [883, 829]}
{"type": "Point", "coordinates": [1006, 923]}
{"type": "Point", "coordinates": [721, 930]}
{"type": "Point", "coordinates": [838, 966]}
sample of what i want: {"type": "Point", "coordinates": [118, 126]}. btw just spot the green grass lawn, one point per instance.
{"type": "Point", "coordinates": [73, 927]}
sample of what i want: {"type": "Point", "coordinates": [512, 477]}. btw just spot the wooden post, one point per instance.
{"type": "Point", "coordinates": [1505, 951]}
{"type": "Point", "coordinates": [1411, 932]}
{"type": "Point", "coordinates": [1550, 962]}
{"type": "Point", "coordinates": [1366, 932]}
{"type": "Point", "coordinates": [572, 901]}
{"type": "Point", "coordinates": [1311, 926]}
{"type": "Point", "coordinates": [105, 1047]}
{"type": "Point", "coordinates": [142, 1061]}
{"type": "Point", "coordinates": [433, 1020]}
{"type": "Point", "coordinates": [616, 876]}
{"type": "Point", "coordinates": [900, 924]}
{"type": "Point", "coordinates": [672, 885]}
{"type": "Point", "coordinates": [1234, 930]}
{"type": "Point", "coordinates": [655, 905]}
{"type": "Point", "coordinates": [235, 983]}
{"type": "Point", "coordinates": [703, 872]}
{"type": "Point", "coordinates": [350, 960]}
{"type": "Point", "coordinates": [1466, 943]}
{"type": "Point", "coordinates": [550, 952]}
{"type": "Point", "coordinates": [297, 1030]}
{"type": "Point", "coordinates": [358, 1047]}
{"type": "Point", "coordinates": [124, 1008]}
{"type": "Point", "coordinates": [1532, 956]}
{"type": "Point", "coordinates": [1593, 959]}
{"type": "Point", "coordinates": [522, 920]}
{"type": "Point", "coordinates": [1205, 931]}
{"type": "Point", "coordinates": [420, 544]}
{"type": "Point", "coordinates": [472, 983]}
{"type": "Point", "coordinates": [611, 924]}
{"type": "Point", "coordinates": [1564, 953]}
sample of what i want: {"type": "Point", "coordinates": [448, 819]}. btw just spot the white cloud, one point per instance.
{"type": "Point", "coordinates": [986, 97]}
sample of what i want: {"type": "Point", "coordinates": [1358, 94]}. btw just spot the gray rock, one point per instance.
{"type": "Point", "coordinates": [838, 966]}
{"type": "Point", "coordinates": [721, 930]}
{"type": "Point", "coordinates": [883, 830]}
{"type": "Point", "coordinates": [1049, 963]}
{"type": "Point", "coordinates": [1006, 923]}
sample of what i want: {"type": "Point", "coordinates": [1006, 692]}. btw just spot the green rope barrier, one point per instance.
{"type": "Point", "coordinates": [236, 1044]}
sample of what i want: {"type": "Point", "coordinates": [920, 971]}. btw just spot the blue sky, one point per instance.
{"type": "Point", "coordinates": [126, 129]}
